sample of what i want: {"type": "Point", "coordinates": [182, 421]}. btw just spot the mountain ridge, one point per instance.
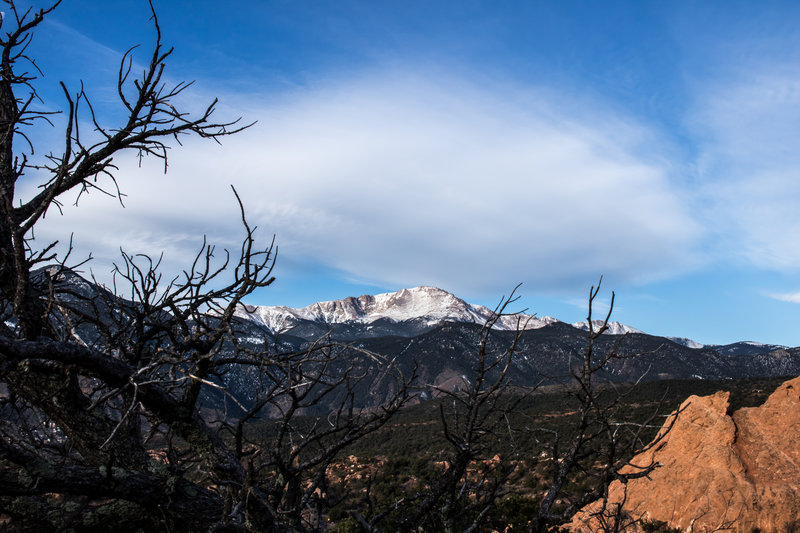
{"type": "Point", "coordinates": [411, 311]}
{"type": "Point", "coordinates": [428, 306]}
{"type": "Point", "coordinates": [435, 334]}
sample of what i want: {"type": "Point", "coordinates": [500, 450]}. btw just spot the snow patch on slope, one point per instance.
{"type": "Point", "coordinates": [614, 328]}
{"type": "Point", "coordinates": [689, 343]}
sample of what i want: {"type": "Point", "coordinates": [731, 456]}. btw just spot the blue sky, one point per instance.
{"type": "Point", "coordinates": [472, 146]}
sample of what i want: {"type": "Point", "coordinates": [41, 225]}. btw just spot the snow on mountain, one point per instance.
{"type": "Point", "coordinates": [614, 328]}
{"type": "Point", "coordinates": [429, 304]}
{"type": "Point", "coordinates": [747, 348]}
{"type": "Point", "coordinates": [689, 343]}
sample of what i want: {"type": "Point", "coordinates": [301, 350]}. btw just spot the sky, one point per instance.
{"type": "Point", "coordinates": [469, 145]}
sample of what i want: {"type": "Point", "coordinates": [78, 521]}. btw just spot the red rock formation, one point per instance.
{"type": "Point", "coordinates": [720, 472]}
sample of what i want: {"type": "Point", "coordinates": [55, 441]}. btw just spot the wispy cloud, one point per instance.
{"type": "Point", "coordinates": [747, 125]}
{"type": "Point", "coordinates": [600, 306]}
{"type": "Point", "coordinates": [791, 297]}
{"type": "Point", "coordinates": [409, 180]}
{"type": "Point", "coordinates": [468, 152]}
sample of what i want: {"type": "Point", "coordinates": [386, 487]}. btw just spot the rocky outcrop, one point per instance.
{"type": "Point", "coordinates": [719, 471]}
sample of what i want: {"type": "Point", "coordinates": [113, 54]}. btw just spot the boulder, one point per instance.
{"type": "Point", "coordinates": [718, 471]}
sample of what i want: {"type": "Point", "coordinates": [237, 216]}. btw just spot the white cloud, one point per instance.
{"type": "Point", "coordinates": [409, 181]}
{"type": "Point", "coordinates": [748, 125]}
{"type": "Point", "coordinates": [791, 297]}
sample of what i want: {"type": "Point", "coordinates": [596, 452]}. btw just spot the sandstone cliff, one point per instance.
{"type": "Point", "coordinates": [720, 471]}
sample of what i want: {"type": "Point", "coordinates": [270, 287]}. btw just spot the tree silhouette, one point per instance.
{"type": "Point", "coordinates": [103, 389]}
{"type": "Point", "coordinates": [114, 404]}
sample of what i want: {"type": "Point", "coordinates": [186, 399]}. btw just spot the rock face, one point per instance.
{"type": "Point", "coordinates": [720, 471]}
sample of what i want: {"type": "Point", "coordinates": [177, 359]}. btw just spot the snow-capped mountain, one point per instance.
{"type": "Point", "coordinates": [432, 332]}
{"type": "Point", "coordinates": [428, 305]}
{"type": "Point", "coordinates": [614, 328]}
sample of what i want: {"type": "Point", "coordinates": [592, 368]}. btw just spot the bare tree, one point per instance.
{"type": "Point", "coordinates": [602, 442]}
{"type": "Point", "coordinates": [596, 447]}
{"type": "Point", "coordinates": [473, 420]}
{"type": "Point", "coordinates": [114, 401]}
{"type": "Point", "coordinates": [460, 498]}
{"type": "Point", "coordinates": [290, 454]}
{"type": "Point", "coordinates": [104, 392]}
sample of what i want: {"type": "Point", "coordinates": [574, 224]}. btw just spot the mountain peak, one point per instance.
{"type": "Point", "coordinates": [427, 304]}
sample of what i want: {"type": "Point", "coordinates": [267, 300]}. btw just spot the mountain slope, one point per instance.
{"type": "Point", "coordinates": [437, 333]}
